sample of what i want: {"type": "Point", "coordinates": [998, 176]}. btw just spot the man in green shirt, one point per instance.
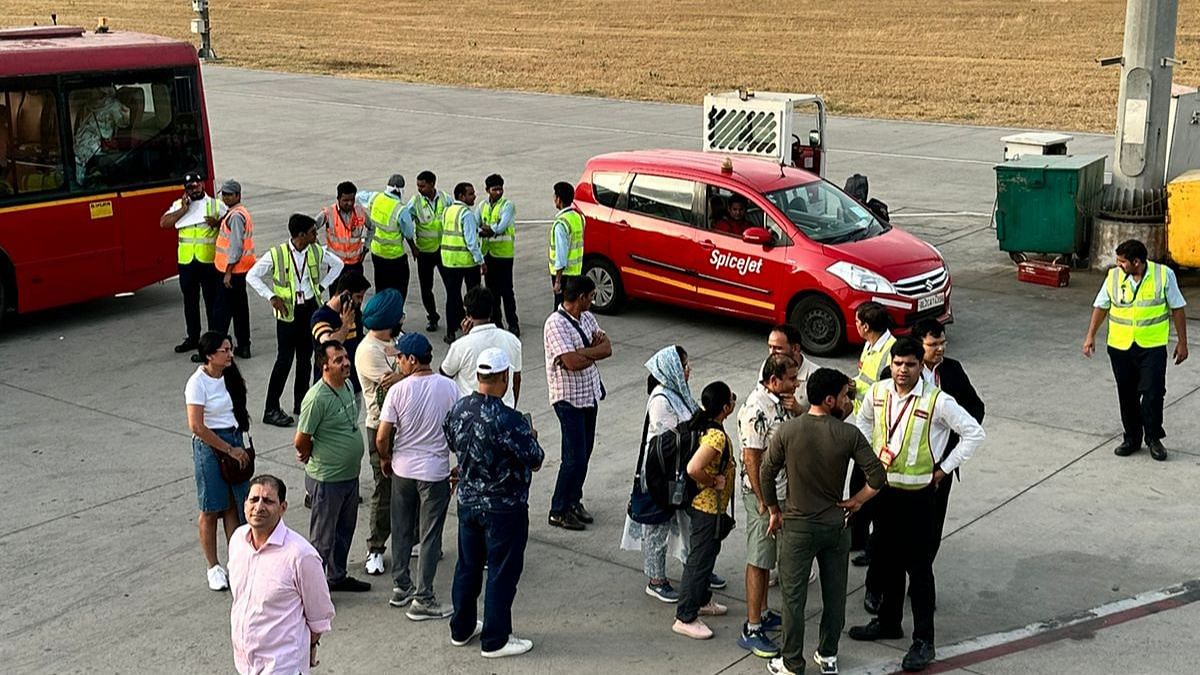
{"type": "Point", "coordinates": [329, 443]}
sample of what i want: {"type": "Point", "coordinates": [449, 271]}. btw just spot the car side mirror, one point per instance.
{"type": "Point", "coordinates": [757, 235]}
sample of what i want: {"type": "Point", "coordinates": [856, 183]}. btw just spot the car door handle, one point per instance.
{"type": "Point", "coordinates": [707, 245]}
{"type": "Point", "coordinates": [622, 224]}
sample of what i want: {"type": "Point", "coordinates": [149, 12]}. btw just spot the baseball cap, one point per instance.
{"type": "Point", "coordinates": [192, 177]}
{"type": "Point", "coordinates": [231, 187]}
{"type": "Point", "coordinates": [492, 360]}
{"type": "Point", "coordinates": [414, 344]}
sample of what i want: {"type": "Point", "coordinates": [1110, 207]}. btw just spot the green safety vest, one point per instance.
{"type": "Point", "coordinates": [428, 220]}
{"type": "Point", "coordinates": [284, 280]}
{"type": "Point", "coordinates": [388, 241]}
{"type": "Point", "coordinates": [501, 245]}
{"type": "Point", "coordinates": [199, 242]}
{"type": "Point", "coordinates": [910, 466]}
{"type": "Point", "coordinates": [455, 253]}
{"type": "Point", "coordinates": [573, 220]}
{"type": "Point", "coordinates": [869, 365]}
{"type": "Point", "coordinates": [1139, 315]}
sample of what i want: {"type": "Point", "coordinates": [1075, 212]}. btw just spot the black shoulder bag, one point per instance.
{"type": "Point", "coordinates": [587, 342]}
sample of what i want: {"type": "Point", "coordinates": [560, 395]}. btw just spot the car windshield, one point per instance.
{"type": "Point", "coordinates": [825, 214]}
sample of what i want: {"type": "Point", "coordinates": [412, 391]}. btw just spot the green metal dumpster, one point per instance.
{"type": "Point", "coordinates": [1044, 204]}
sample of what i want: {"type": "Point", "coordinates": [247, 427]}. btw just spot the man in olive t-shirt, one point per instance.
{"type": "Point", "coordinates": [815, 450]}
{"type": "Point", "coordinates": [329, 443]}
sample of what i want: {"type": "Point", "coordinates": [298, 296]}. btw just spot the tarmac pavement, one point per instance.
{"type": "Point", "coordinates": [99, 562]}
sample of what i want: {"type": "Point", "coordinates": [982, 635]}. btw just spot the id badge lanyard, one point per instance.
{"type": "Point", "coordinates": [890, 425]}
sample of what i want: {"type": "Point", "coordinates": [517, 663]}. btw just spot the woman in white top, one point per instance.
{"type": "Point", "coordinates": [217, 417]}
{"type": "Point", "coordinates": [670, 404]}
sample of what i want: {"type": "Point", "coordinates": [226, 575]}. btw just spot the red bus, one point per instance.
{"type": "Point", "coordinates": [96, 133]}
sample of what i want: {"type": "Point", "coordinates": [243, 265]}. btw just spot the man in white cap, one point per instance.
{"type": "Point", "coordinates": [497, 454]}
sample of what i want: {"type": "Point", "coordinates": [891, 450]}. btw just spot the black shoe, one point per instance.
{"type": "Point", "coordinates": [919, 656]}
{"type": "Point", "coordinates": [1157, 451]}
{"type": "Point", "coordinates": [582, 515]}
{"type": "Point", "coordinates": [1126, 449]}
{"type": "Point", "coordinates": [566, 521]}
{"type": "Point", "coordinates": [432, 327]}
{"type": "Point", "coordinates": [278, 418]}
{"type": "Point", "coordinates": [196, 358]}
{"type": "Point", "coordinates": [861, 560]}
{"type": "Point", "coordinates": [188, 345]}
{"type": "Point", "coordinates": [242, 352]}
{"type": "Point", "coordinates": [871, 603]}
{"type": "Point", "coordinates": [875, 631]}
{"type": "Point", "coordinates": [350, 585]}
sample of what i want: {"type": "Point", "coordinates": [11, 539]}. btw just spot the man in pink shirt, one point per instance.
{"type": "Point", "coordinates": [281, 602]}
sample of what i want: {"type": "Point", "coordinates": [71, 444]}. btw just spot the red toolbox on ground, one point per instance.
{"type": "Point", "coordinates": [1044, 273]}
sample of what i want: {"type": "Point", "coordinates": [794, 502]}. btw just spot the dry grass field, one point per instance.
{"type": "Point", "coordinates": [1002, 62]}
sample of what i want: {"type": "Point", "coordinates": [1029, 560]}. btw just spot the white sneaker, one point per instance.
{"type": "Point", "coordinates": [515, 647]}
{"type": "Point", "coordinates": [218, 578]}
{"type": "Point", "coordinates": [374, 563]}
{"type": "Point", "coordinates": [776, 666]}
{"type": "Point", "coordinates": [475, 634]}
{"type": "Point", "coordinates": [714, 608]}
{"type": "Point", "coordinates": [827, 665]}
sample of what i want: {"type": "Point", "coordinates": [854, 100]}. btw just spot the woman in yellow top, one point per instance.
{"type": "Point", "coordinates": [713, 470]}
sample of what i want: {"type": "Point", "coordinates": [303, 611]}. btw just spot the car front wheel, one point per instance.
{"type": "Point", "coordinates": [822, 330]}
{"type": "Point", "coordinates": [609, 293]}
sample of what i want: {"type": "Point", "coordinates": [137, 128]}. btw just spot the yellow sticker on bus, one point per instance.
{"type": "Point", "coordinates": [101, 209]}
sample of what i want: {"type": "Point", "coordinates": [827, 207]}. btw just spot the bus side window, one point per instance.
{"type": "Point", "coordinates": [30, 154]}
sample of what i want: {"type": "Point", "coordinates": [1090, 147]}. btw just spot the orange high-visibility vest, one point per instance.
{"type": "Point", "coordinates": [244, 263]}
{"type": "Point", "coordinates": [345, 240]}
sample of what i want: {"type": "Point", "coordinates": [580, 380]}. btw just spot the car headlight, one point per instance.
{"type": "Point", "coordinates": [860, 278]}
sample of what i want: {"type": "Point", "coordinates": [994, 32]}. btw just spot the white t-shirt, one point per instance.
{"type": "Point", "coordinates": [373, 361]}
{"type": "Point", "coordinates": [464, 354]}
{"type": "Point", "coordinates": [416, 407]}
{"type": "Point", "coordinates": [211, 393]}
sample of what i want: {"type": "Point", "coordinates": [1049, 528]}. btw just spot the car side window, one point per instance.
{"type": "Point", "coordinates": [662, 197]}
{"type": "Point", "coordinates": [730, 213]}
{"type": "Point", "coordinates": [608, 187]}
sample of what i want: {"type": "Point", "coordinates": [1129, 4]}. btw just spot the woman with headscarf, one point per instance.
{"type": "Point", "coordinates": [670, 404]}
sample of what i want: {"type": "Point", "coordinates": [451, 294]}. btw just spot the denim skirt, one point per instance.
{"type": "Point", "coordinates": [212, 492]}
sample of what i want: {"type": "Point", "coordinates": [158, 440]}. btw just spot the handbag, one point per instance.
{"type": "Point", "coordinates": [232, 472]}
{"type": "Point", "coordinates": [725, 521]}
{"type": "Point", "coordinates": [642, 508]}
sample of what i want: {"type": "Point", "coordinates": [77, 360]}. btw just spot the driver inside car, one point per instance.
{"type": "Point", "coordinates": [734, 222]}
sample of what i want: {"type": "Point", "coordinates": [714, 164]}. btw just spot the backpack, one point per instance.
{"type": "Point", "coordinates": [665, 474]}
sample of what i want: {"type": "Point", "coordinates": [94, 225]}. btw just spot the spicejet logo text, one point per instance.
{"type": "Point", "coordinates": [744, 266]}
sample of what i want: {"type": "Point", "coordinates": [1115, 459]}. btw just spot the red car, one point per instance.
{"type": "Point", "coordinates": [747, 238]}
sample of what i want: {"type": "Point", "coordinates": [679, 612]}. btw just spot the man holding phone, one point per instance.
{"type": "Point", "coordinates": [340, 318]}
{"type": "Point", "coordinates": [195, 216]}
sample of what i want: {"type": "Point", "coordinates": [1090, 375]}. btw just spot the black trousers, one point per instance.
{"type": "Point", "coordinates": [426, 264]}
{"type": "Point", "coordinates": [454, 278]}
{"type": "Point", "coordinates": [860, 521]}
{"type": "Point", "coordinates": [293, 341]}
{"type": "Point", "coordinates": [499, 280]}
{"type": "Point", "coordinates": [703, 549]}
{"type": "Point", "coordinates": [907, 527]}
{"type": "Point", "coordinates": [196, 279]}
{"type": "Point", "coordinates": [391, 273]}
{"type": "Point", "coordinates": [874, 580]}
{"type": "Point", "coordinates": [1141, 375]}
{"type": "Point", "coordinates": [234, 307]}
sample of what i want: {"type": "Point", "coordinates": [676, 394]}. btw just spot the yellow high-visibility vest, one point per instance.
{"type": "Point", "coordinates": [1138, 315]}
{"type": "Point", "coordinates": [909, 466]}
{"type": "Point", "coordinates": [199, 242]}
{"type": "Point", "coordinates": [573, 220]}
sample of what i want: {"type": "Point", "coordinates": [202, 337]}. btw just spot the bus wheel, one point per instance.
{"type": "Point", "coordinates": [610, 295]}
{"type": "Point", "coordinates": [822, 329]}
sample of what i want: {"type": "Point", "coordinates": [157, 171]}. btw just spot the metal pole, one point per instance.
{"type": "Point", "coordinates": [204, 28]}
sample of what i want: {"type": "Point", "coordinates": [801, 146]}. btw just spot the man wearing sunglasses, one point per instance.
{"type": "Point", "coordinates": [1141, 300]}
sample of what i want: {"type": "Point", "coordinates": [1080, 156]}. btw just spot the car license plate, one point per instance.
{"type": "Point", "coordinates": [930, 301]}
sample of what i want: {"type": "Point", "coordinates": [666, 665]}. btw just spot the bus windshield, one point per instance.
{"type": "Point", "coordinates": [825, 214]}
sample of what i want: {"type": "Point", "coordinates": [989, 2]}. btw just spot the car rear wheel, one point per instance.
{"type": "Point", "coordinates": [822, 330]}
{"type": "Point", "coordinates": [610, 295]}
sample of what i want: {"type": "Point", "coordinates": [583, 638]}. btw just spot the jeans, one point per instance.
{"type": "Point", "coordinates": [499, 279]}
{"type": "Point", "coordinates": [907, 540]}
{"type": "Point", "coordinates": [418, 514]}
{"type": "Point", "coordinates": [1141, 376]}
{"type": "Point", "coordinates": [331, 523]}
{"type": "Point", "coordinates": [426, 264]}
{"type": "Point", "coordinates": [800, 544]}
{"type": "Point", "coordinates": [391, 273]}
{"type": "Point", "coordinates": [578, 426]}
{"type": "Point", "coordinates": [293, 341]}
{"type": "Point", "coordinates": [453, 278]}
{"type": "Point", "coordinates": [380, 516]}
{"type": "Point", "coordinates": [498, 540]}
{"type": "Point", "coordinates": [197, 278]}
{"type": "Point", "coordinates": [694, 592]}
{"type": "Point", "coordinates": [233, 306]}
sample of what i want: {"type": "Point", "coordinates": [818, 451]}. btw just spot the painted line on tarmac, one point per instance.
{"type": "Point", "coordinates": [940, 214]}
{"type": "Point", "coordinates": [1071, 626]}
{"type": "Point", "coordinates": [581, 127]}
